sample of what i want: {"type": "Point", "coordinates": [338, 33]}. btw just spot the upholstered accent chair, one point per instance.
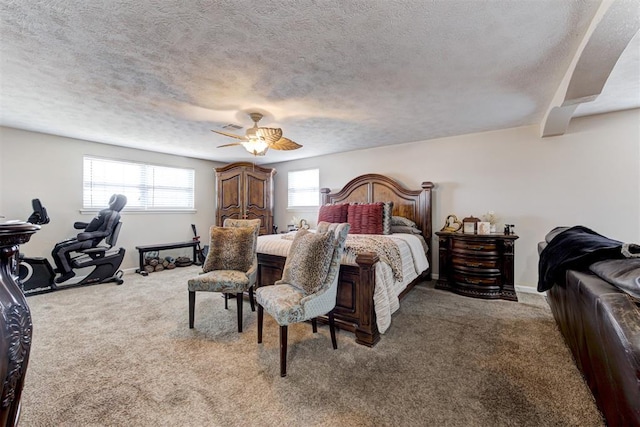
{"type": "Point", "coordinates": [308, 286]}
{"type": "Point", "coordinates": [231, 265]}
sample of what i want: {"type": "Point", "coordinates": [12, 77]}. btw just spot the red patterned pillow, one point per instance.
{"type": "Point", "coordinates": [333, 213]}
{"type": "Point", "coordinates": [365, 218]}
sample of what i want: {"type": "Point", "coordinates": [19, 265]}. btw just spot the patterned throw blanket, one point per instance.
{"type": "Point", "coordinates": [386, 249]}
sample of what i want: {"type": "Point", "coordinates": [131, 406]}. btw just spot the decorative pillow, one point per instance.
{"type": "Point", "coordinates": [308, 260]}
{"type": "Point", "coordinates": [231, 248]}
{"type": "Point", "coordinates": [365, 218]}
{"type": "Point", "coordinates": [340, 231]}
{"type": "Point", "coordinates": [622, 273]}
{"type": "Point", "coordinates": [405, 229]}
{"type": "Point", "coordinates": [400, 220]}
{"type": "Point", "coordinates": [324, 226]}
{"type": "Point", "coordinates": [333, 213]}
{"type": "Point", "coordinates": [387, 210]}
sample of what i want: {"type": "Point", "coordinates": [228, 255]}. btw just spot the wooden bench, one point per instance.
{"type": "Point", "coordinates": [142, 250]}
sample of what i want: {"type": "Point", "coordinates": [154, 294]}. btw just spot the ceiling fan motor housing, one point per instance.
{"type": "Point", "coordinates": [256, 117]}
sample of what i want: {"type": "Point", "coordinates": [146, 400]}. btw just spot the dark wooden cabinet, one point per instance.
{"type": "Point", "coordinates": [245, 191]}
{"type": "Point", "coordinates": [476, 265]}
{"type": "Point", "coordinates": [15, 323]}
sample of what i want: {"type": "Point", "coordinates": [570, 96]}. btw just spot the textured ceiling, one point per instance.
{"type": "Point", "coordinates": [336, 75]}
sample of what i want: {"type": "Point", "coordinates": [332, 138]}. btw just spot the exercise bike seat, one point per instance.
{"type": "Point", "coordinates": [89, 255]}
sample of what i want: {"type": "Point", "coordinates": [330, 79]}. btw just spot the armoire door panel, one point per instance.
{"type": "Point", "coordinates": [229, 192]}
{"type": "Point", "coordinates": [258, 193]}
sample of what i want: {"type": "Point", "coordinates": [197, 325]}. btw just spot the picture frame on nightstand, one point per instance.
{"type": "Point", "coordinates": [470, 225]}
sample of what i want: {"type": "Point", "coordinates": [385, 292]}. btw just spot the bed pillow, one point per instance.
{"type": "Point", "coordinates": [405, 229]}
{"type": "Point", "coordinates": [365, 218]}
{"type": "Point", "coordinates": [308, 260]}
{"type": "Point", "coordinates": [400, 220]}
{"type": "Point", "coordinates": [333, 213]}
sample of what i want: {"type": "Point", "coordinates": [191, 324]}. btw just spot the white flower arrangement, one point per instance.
{"type": "Point", "coordinates": [490, 217]}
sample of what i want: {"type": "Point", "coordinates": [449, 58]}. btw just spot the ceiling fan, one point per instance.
{"type": "Point", "coordinates": [258, 140]}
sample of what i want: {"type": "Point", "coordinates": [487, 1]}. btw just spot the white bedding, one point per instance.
{"type": "Point", "coordinates": [387, 289]}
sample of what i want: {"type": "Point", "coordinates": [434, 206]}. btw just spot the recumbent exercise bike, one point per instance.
{"type": "Point", "coordinates": [36, 274]}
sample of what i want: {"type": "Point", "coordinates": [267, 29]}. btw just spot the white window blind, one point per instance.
{"type": "Point", "coordinates": [304, 188]}
{"type": "Point", "coordinates": [147, 187]}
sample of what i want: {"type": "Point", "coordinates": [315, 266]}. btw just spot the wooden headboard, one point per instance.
{"type": "Point", "coordinates": [370, 188]}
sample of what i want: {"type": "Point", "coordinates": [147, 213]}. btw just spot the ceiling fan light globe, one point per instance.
{"type": "Point", "coordinates": [255, 146]}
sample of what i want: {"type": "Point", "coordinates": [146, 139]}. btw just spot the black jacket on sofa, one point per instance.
{"type": "Point", "coordinates": [574, 248]}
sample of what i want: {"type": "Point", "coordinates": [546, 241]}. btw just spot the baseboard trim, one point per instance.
{"type": "Point", "coordinates": [528, 290]}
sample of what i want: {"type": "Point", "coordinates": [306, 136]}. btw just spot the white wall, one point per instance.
{"type": "Point", "coordinates": [35, 165]}
{"type": "Point", "coordinates": [589, 176]}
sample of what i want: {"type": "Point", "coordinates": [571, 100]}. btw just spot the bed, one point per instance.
{"type": "Point", "coordinates": [355, 308]}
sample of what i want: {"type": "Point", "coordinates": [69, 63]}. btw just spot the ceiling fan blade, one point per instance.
{"type": "Point", "coordinates": [285, 144]}
{"type": "Point", "coordinates": [270, 135]}
{"type": "Point", "coordinates": [233, 144]}
{"type": "Point", "coordinates": [243, 138]}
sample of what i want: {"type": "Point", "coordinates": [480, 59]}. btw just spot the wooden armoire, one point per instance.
{"type": "Point", "coordinates": [245, 191]}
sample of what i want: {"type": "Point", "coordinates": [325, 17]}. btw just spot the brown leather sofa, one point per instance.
{"type": "Point", "coordinates": [601, 325]}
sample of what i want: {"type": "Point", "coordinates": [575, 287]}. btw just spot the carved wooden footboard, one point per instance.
{"type": "Point", "coordinates": [354, 308]}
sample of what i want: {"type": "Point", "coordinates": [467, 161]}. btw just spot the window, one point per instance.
{"type": "Point", "coordinates": [147, 187]}
{"type": "Point", "coordinates": [304, 188]}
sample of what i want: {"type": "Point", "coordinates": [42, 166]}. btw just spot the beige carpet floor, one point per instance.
{"type": "Point", "coordinates": [108, 355]}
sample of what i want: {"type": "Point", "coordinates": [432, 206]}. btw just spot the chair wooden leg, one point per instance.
{"type": "Point", "coordinates": [332, 330]}
{"type": "Point", "coordinates": [260, 315]}
{"type": "Point", "coordinates": [283, 351]}
{"type": "Point", "coordinates": [226, 301]}
{"type": "Point", "coordinates": [192, 307]}
{"type": "Point", "coordinates": [314, 325]}
{"type": "Point", "coordinates": [253, 306]}
{"type": "Point", "coordinates": [239, 305]}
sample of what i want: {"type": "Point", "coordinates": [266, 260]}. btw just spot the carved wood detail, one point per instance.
{"type": "Point", "coordinates": [15, 330]}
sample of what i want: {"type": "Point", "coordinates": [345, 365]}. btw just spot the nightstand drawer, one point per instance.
{"type": "Point", "coordinates": [476, 263]}
{"type": "Point", "coordinates": [473, 246]}
{"type": "Point", "coordinates": [468, 279]}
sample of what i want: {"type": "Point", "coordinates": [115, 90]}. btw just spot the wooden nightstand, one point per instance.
{"type": "Point", "coordinates": [476, 265]}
